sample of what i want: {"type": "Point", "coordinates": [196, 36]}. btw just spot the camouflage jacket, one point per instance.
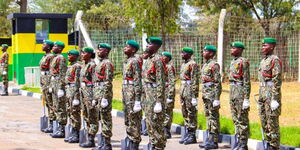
{"type": "Point", "coordinates": [153, 72]}
{"type": "Point", "coordinates": [189, 70]}
{"type": "Point", "coordinates": [45, 66]}
{"type": "Point", "coordinates": [270, 69]}
{"type": "Point", "coordinates": [104, 72]}
{"type": "Point", "coordinates": [73, 73]}
{"type": "Point", "coordinates": [132, 72]}
{"type": "Point", "coordinates": [87, 71]}
{"type": "Point", "coordinates": [4, 60]}
{"type": "Point", "coordinates": [170, 81]}
{"type": "Point", "coordinates": [58, 68]}
{"type": "Point", "coordinates": [210, 72]}
{"type": "Point", "coordinates": [239, 72]}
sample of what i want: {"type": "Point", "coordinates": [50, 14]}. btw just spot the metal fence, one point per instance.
{"type": "Point", "coordinates": [248, 31]}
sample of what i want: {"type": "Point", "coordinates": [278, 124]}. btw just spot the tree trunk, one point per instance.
{"type": "Point", "coordinates": [23, 6]}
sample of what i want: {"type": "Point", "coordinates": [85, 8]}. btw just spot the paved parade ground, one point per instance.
{"type": "Point", "coordinates": [19, 127]}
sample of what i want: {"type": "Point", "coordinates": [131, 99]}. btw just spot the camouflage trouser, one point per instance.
{"type": "Point", "coordinates": [239, 116]}
{"type": "Point", "coordinates": [269, 118]}
{"type": "Point", "coordinates": [105, 116]}
{"type": "Point", "coordinates": [49, 103]}
{"type": "Point", "coordinates": [90, 112]}
{"type": "Point", "coordinates": [132, 119]}
{"type": "Point", "coordinates": [189, 111]}
{"type": "Point", "coordinates": [73, 111]}
{"type": "Point", "coordinates": [154, 121]}
{"type": "Point", "coordinates": [59, 103]}
{"type": "Point", "coordinates": [4, 77]}
{"type": "Point", "coordinates": [169, 115]}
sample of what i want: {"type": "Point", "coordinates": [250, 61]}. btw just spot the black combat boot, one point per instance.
{"type": "Point", "coordinates": [185, 137]}
{"type": "Point", "coordinates": [74, 137]}
{"type": "Point", "coordinates": [191, 138]}
{"type": "Point", "coordinates": [90, 142]}
{"type": "Point", "coordinates": [133, 145]}
{"type": "Point", "coordinates": [106, 144]}
{"type": "Point", "coordinates": [60, 132]}
{"type": "Point", "coordinates": [50, 128]}
{"type": "Point", "coordinates": [242, 146]}
{"type": "Point", "coordinates": [167, 133]}
{"type": "Point", "coordinates": [5, 92]}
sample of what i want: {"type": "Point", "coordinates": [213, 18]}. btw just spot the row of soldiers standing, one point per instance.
{"type": "Point", "coordinates": [149, 84]}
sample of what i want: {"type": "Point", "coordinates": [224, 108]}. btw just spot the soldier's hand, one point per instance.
{"type": "Point", "coordinates": [216, 103]}
{"type": "Point", "coordinates": [75, 102]}
{"type": "Point", "coordinates": [50, 90]}
{"type": "Point", "coordinates": [274, 104]}
{"type": "Point", "coordinates": [157, 108]}
{"type": "Point", "coordinates": [169, 100]}
{"type": "Point", "coordinates": [246, 104]}
{"type": "Point", "coordinates": [60, 93]}
{"type": "Point", "coordinates": [137, 106]}
{"type": "Point", "coordinates": [94, 103]}
{"type": "Point", "coordinates": [4, 73]}
{"type": "Point", "coordinates": [104, 102]}
{"type": "Point", "coordinates": [194, 101]}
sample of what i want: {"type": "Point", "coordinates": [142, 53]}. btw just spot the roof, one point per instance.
{"type": "Point", "coordinates": [40, 15]}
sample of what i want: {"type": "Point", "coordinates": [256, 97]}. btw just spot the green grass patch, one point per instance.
{"type": "Point", "coordinates": [117, 104]}
{"type": "Point", "coordinates": [31, 89]}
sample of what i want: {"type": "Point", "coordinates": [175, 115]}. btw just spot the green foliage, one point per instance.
{"type": "Point", "coordinates": [109, 15]}
{"type": "Point", "coordinates": [155, 16]}
{"type": "Point", "coordinates": [6, 7]}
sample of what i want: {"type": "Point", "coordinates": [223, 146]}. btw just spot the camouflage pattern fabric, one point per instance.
{"type": "Point", "coordinates": [4, 68]}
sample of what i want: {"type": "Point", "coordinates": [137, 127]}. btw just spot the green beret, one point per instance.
{"type": "Point", "coordinates": [269, 40]}
{"type": "Point", "coordinates": [188, 50]}
{"type": "Point", "coordinates": [238, 45]}
{"type": "Point", "coordinates": [210, 48]}
{"type": "Point", "coordinates": [88, 49]}
{"type": "Point", "coordinates": [104, 45]}
{"type": "Point", "coordinates": [155, 40]}
{"type": "Point", "coordinates": [134, 44]}
{"type": "Point", "coordinates": [49, 42]}
{"type": "Point", "coordinates": [73, 52]}
{"type": "Point", "coordinates": [4, 45]}
{"type": "Point", "coordinates": [167, 54]}
{"type": "Point", "coordinates": [59, 43]}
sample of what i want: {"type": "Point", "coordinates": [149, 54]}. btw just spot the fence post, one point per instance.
{"type": "Point", "coordinates": [220, 39]}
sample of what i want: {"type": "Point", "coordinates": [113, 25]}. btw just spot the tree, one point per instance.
{"type": "Point", "coordinates": [23, 5]}
{"type": "Point", "coordinates": [263, 10]}
{"type": "Point", "coordinates": [109, 15]}
{"type": "Point", "coordinates": [154, 16]}
{"type": "Point", "coordinates": [6, 7]}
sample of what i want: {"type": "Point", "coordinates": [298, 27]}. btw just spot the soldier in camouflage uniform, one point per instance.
{"type": "Point", "coordinates": [211, 91]}
{"type": "Point", "coordinates": [131, 93]}
{"type": "Point", "coordinates": [4, 69]}
{"type": "Point", "coordinates": [240, 87]}
{"type": "Point", "coordinates": [72, 95]}
{"type": "Point", "coordinates": [189, 90]}
{"type": "Point", "coordinates": [169, 92]}
{"type": "Point", "coordinates": [269, 75]}
{"type": "Point", "coordinates": [103, 93]}
{"type": "Point", "coordinates": [58, 68]}
{"type": "Point", "coordinates": [153, 74]}
{"type": "Point", "coordinates": [45, 81]}
{"type": "Point", "coordinates": [89, 108]}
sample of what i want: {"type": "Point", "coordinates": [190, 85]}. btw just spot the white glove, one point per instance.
{"type": "Point", "coordinates": [75, 102]}
{"type": "Point", "coordinates": [194, 101]}
{"type": "Point", "coordinates": [4, 73]}
{"type": "Point", "coordinates": [50, 90]}
{"type": "Point", "coordinates": [104, 103]}
{"type": "Point", "coordinates": [274, 104]}
{"type": "Point", "coordinates": [216, 103]}
{"type": "Point", "coordinates": [94, 103]}
{"type": "Point", "coordinates": [157, 107]}
{"type": "Point", "coordinates": [137, 106]}
{"type": "Point", "coordinates": [169, 100]}
{"type": "Point", "coordinates": [60, 93]}
{"type": "Point", "coordinates": [246, 104]}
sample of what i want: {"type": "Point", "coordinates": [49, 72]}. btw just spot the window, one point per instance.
{"type": "Point", "coordinates": [41, 30]}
